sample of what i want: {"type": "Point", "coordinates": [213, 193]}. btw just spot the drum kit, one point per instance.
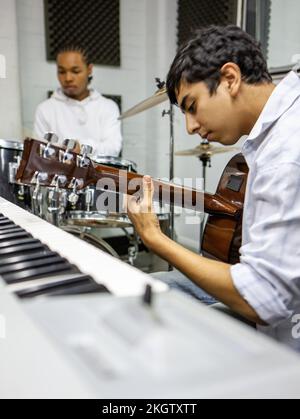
{"type": "Point", "coordinates": [82, 216]}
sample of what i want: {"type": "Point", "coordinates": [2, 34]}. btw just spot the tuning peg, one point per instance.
{"type": "Point", "coordinates": [51, 138]}
{"type": "Point", "coordinates": [59, 181]}
{"type": "Point", "coordinates": [70, 145]}
{"type": "Point", "coordinates": [86, 151]}
{"type": "Point", "coordinates": [66, 156]}
{"type": "Point", "coordinates": [39, 177]}
{"type": "Point", "coordinates": [48, 152]}
{"type": "Point", "coordinates": [75, 185]}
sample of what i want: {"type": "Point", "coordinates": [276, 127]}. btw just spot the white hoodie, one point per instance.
{"type": "Point", "coordinates": [93, 121]}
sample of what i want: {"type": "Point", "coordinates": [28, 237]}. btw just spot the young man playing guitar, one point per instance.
{"type": "Point", "coordinates": [220, 81]}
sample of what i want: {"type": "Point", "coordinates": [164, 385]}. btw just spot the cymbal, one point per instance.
{"type": "Point", "coordinates": [159, 97]}
{"type": "Point", "coordinates": [205, 149]}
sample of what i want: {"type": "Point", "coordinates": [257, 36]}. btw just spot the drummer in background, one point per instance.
{"type": "Point", "coordinates": [76, 111]}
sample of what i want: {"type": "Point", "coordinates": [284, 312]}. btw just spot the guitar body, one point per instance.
{"type": "Point", "coordinates": [223, 235]}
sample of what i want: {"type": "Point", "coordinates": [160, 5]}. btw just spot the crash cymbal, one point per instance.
{"type": "Point", "coordinates": [205, 149]}
{"type": "Point", "coordinates": [159, 97]}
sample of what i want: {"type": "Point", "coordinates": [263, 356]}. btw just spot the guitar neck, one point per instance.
{"type": "Point", "coordinates": [166, 192]}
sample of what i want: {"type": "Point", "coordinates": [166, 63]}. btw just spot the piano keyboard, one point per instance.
{"type": "Point", "coordinates": [26, 259]}
{"type": "Point", "coordinates": [37, 258]}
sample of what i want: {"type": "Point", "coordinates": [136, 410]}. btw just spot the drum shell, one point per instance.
{"type": "Point", "coordinates": [9, 153]}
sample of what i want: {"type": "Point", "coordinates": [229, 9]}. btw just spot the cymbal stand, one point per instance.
{"type": "Point", "coordinates": [206, 162]}
{"type": "Point", "coordinates": [170, 113]}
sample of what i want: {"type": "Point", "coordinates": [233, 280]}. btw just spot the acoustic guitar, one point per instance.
{"type": "Point", "coordinates": [51, 166]}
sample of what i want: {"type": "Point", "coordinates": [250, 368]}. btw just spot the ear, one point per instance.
{"type": "Point", "coordinates": [232, 77]}
{"type": "Point", "coordinates": [90, 69]}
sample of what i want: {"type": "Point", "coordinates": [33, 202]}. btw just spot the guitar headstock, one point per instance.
{"type": "Point", "coordinates": [46, 164]}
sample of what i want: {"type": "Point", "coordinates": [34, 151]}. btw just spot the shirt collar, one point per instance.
{"type": "Point", "coordinates": [59, 95]}
{"type": "Point", "coordinates": [281, 99]}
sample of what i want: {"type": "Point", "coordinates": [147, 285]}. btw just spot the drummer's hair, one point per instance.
{"type": "Point", "coordinates": [203, 56]}
{"type": "Point", "coordinates": [73, 47]}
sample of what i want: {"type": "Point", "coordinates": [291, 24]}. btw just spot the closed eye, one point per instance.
{"type": "Point", "coordinates": [192, 108]}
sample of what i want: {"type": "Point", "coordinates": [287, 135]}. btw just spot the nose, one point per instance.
{"type": "Point", "coordinates": [68, 77]}
{"type": "Point", "coordinates": [192, 125]}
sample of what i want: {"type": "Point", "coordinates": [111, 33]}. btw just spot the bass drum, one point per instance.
{"type": "Point", "coordinates": [10, 156]}
{"type": "Point", "coordinates": [91, 239]}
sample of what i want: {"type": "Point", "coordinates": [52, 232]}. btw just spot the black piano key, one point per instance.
{"type": "Point", "coordinates": [12, 243]}
{"type": "Point", "coordinates": [5, 222]}
{"type": "Point", "coordinates": [88, 288]}
{"type": "Point", "coordinates": [7, 227]}
{"type": "Point", "coordinates": [31, 264]}
{"type": "Point", "coordinates": [20, 250]}
{"type": "Point", "coordinates": [10, 229]}
{"type": "Point", "coordinates": [10, 260]}
{"type": "Point", "coordinates": [19, 235]}
{"type": "Point", "coordinates": [81, 284]}
{"type": "Point", "coordinates": [29, 274]}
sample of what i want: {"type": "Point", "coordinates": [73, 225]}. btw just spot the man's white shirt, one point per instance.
{"type": "Point", "coordinates": [268, 275]}
{"type": "Point", "coordinates": [93, 121]}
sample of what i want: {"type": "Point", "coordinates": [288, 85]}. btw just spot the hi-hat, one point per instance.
{"type": "Point", "coordinates": [205, 149]}
{"type": "Point", "coordinates": [159, 97]}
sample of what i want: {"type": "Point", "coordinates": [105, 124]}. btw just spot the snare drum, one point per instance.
{"type": "Point", "coordinates": [118, 163]}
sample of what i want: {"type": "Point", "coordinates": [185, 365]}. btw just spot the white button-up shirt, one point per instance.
{"type": "Point", "coordinates": [92, 121]}
{"type": "Point", "coordinates": [268, 275]}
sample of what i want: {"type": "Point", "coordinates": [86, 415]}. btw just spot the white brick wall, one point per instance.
{"type": "Point", "coordinates": [10, 106]}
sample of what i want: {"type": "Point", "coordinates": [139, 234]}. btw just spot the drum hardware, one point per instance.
{"type": "Point", "coordinates": [13, 168]}
{"type": "Point", "coordinates": [159, 97]}
{"type": "Point", "coordinates": [89, 196]}
{"type": "Point", "coordinates": [47, 151]}
{"type": "Point", "coordinates": [85, 234]}
{"type": "Point", "coordinates": [133, 249]}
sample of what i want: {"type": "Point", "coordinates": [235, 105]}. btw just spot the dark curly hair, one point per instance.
{"type": "Point", "coordinates": [202, 58]}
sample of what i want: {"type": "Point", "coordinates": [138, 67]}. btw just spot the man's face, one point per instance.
{"type": "Point", "coordinates": [214, 117]}
{"type": "Point", "coordinates": [73, 74]}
